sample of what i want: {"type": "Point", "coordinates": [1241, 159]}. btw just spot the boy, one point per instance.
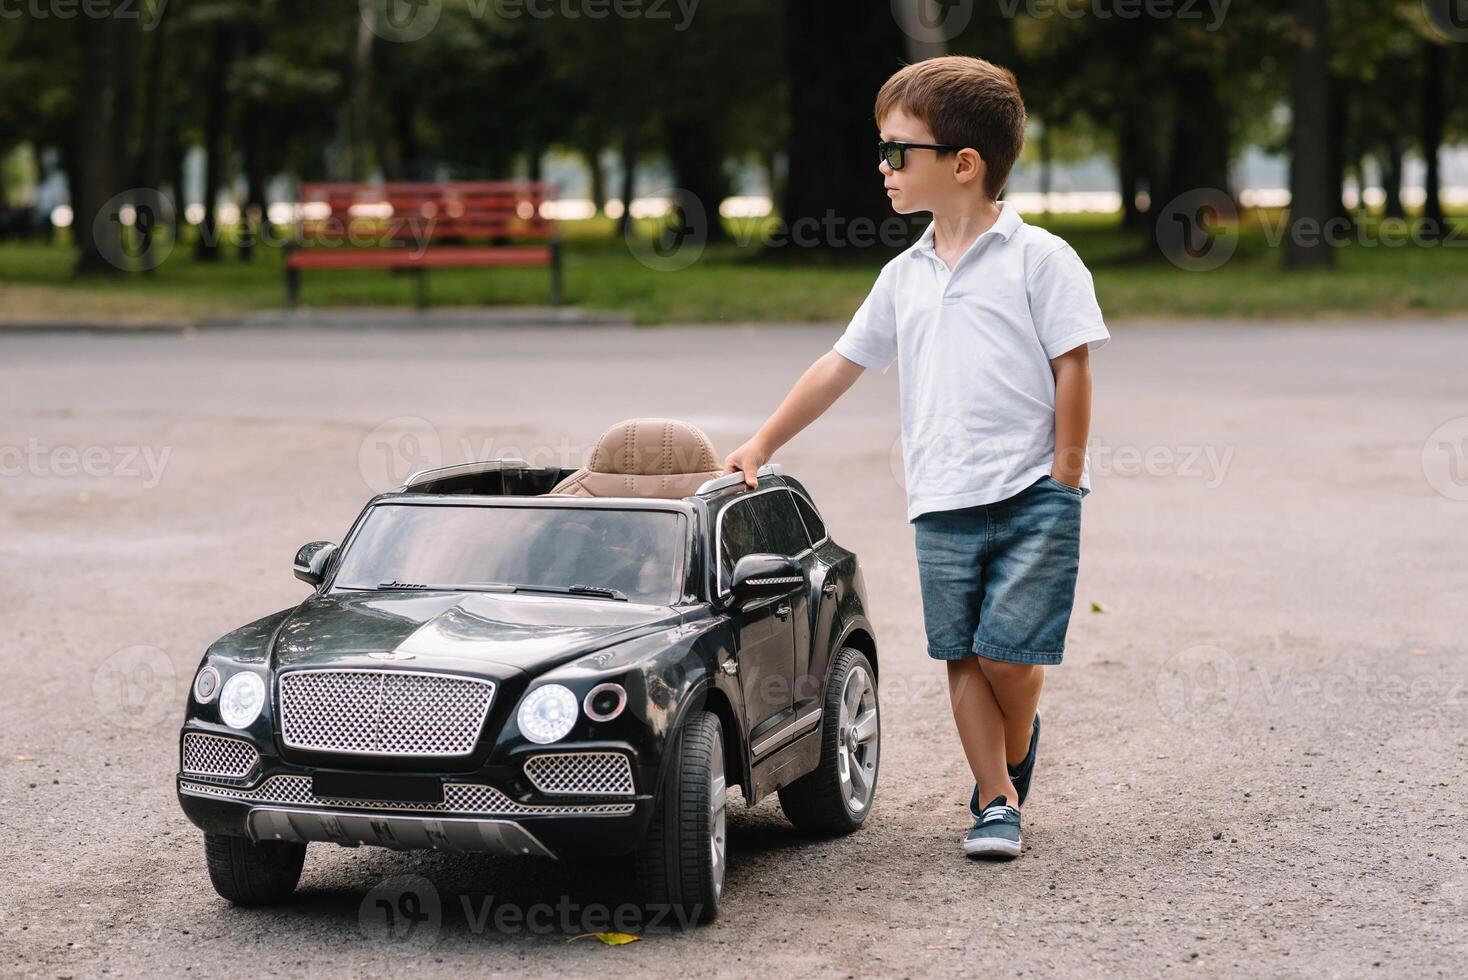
{"type": "Point", "coordinates": [990, 321]}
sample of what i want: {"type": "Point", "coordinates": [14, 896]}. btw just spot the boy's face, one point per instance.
{"type": "Point", "coordinates": [928, 180]}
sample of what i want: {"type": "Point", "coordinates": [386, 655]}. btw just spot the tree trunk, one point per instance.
{"type": "Point", "coordinates": [361, 120]}
{"type": "Point", "coordinates": [833, 160]}
{"type": "Point", "coordinates": [1313, 197]}
{"type": "Point", "coordinates": [598, 178]}
{"type": "Point", "coordinates": [1198, 147]}
{"type": "Point", "coordinates": [99, 146]}
{"type": "Point", "coordinates": [629, 180]}
{"type": "Point", "coordinates": [206, 249]}
{"type": "Point", "coordinates": [148, 170]}
{"type": "Point", "coordinates": [1391, 177]}
{"type": "Point", "coordinates": [695, 151]}
{"type": "Point", "coordinates": [1434, 109]}
{"type": "Point", "coordinates": [1131, 154]}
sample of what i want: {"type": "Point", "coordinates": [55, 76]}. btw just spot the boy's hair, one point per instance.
{"type": "Point", "coordinates": [965, 102]}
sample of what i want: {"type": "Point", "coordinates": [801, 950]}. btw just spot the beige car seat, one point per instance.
{"type": "Point", "coordinates": [645, 458]}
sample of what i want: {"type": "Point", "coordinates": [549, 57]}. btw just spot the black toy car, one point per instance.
{"type": "Point", "coordinates": [537, 661]}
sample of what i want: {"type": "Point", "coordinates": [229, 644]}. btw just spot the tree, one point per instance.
{"type": "Point", "coordinates": [1314, 197]}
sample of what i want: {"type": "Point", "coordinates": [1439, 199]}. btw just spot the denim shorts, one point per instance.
{"type": "Point", "coordinates": [998, 580]}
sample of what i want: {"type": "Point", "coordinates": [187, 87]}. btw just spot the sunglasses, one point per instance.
{"type": "Point", "coordinates": [894, 152]}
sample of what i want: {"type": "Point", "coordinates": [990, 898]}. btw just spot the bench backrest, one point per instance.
{"type": "Point", "coordinates": [392, 213]}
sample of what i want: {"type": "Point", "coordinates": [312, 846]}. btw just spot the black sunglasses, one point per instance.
{"type": "Point", "coordinates": [894, 152]}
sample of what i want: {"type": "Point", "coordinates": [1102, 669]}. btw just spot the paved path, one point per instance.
{"type": "Point", "coordinates": [1255, 759]}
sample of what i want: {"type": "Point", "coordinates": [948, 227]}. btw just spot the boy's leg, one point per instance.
{"type": "Point", "coordinates": [981, 728]}
{"type": "Point", "coordinates": [1016, 689]}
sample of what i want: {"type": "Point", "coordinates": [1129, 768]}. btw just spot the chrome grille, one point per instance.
{"type": "Point", "coordinates": [470, 798]}
{"type": "Point", "coordinates": [581, 773]}
{"type": "Point", "coordinates": [213, 755]}
{"type": "Point", "coordinates": [382, 712]}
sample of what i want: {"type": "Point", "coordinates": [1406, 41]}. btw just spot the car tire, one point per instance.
{"type": "Point", "coordinates": [681, 861]}
{"type": "Point", "coordinates": [828, 800]}
{"type": "Point", "coordinates": [249, 873]}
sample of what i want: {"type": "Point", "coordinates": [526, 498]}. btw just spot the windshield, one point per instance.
{"type": "Point", "coordinates": [635, 552]}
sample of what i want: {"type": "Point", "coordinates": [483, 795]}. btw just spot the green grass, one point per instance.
{"type": "Point", "coordinates": [741, 282]}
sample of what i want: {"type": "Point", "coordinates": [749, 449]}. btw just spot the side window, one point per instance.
{"type": "Point", "coordinates": [738, 535]}
{"type": "Point", "coordinates": [785, 532]}
{"type": "Point", "coordinates": [813, 523]}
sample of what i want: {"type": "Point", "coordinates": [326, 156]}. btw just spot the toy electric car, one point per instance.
{"type": "Point", "coordinates": [538, 661]}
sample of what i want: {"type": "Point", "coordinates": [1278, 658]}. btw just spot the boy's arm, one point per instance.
{"type": "Point", "coordinates": [818, 388]}
{"type": "Point", "coordinates": [1072, 413]}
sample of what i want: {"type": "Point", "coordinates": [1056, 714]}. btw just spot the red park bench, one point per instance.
{"type": "Point", "coordinates": [417, 227]}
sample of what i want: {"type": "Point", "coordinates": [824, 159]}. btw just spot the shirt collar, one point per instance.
{"type": "Point", "coordinates": [1004, 226]}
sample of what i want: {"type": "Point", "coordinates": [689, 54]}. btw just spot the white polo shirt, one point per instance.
{"type": "Point", "coordinates": [973, 349]}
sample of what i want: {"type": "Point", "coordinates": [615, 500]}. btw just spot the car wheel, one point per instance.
{"type": "Point", "coordinates": [680, 863]}
{"type": "Point", "coordinates": [250, 873]}
{"type": "Point", "coordinates": [837, 795]}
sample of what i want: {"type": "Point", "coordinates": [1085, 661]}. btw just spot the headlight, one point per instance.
{"type": "Point", "coordinates": [241, 700]}
{"type": "Point", "coordinates": [547, 713]}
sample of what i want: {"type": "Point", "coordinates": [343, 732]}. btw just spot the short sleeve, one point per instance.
{"type": "Point", "coordinates": [1063, 304]}
{"type": "Point", "coordinates": [871, 337]}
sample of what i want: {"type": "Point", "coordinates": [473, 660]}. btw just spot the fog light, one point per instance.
{"type": "Point", "coordinates": [605, 702]}
{"type": "Point", "coordinates": [206, 685]}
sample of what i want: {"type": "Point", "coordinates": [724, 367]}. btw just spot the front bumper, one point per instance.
{"type": "Point", "coordinates": [498, 810]}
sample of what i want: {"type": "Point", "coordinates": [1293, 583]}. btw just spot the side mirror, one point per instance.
{"type": "Point", "coordinates": [761, 576]}
{"type": "Point", "coordinates": [310, 564]}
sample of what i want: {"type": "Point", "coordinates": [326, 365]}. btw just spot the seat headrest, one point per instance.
{"type": "Point", "coordinates": [645, 458]}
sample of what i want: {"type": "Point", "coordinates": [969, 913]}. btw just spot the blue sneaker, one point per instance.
{"type": "Point", "coordinates": [1019, 775]}
{"type": "Point", "coordinates": [996, 834]}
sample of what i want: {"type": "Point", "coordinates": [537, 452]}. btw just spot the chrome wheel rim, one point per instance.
{"type": "Point", "coordinates": [718, 801]}
{"type": "Point", "coordinates": [858, 737]}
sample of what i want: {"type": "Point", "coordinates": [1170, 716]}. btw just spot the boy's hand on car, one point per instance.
{"type": "Point", "coordinates": [748, 458]}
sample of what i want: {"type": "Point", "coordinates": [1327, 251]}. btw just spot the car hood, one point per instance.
{"type": "Point", "coordinates": [457, 631]}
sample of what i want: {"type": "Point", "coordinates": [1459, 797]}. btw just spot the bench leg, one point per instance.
{"type": "Point", "coordinates": [555, 288]}
{"type": "Point", "coordinates": [420, 288]}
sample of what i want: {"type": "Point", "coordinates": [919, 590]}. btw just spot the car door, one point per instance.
{"type": "Point", "coordinates": [763, 630]}
{"type": "Point", "coordinates": [785, 534]}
